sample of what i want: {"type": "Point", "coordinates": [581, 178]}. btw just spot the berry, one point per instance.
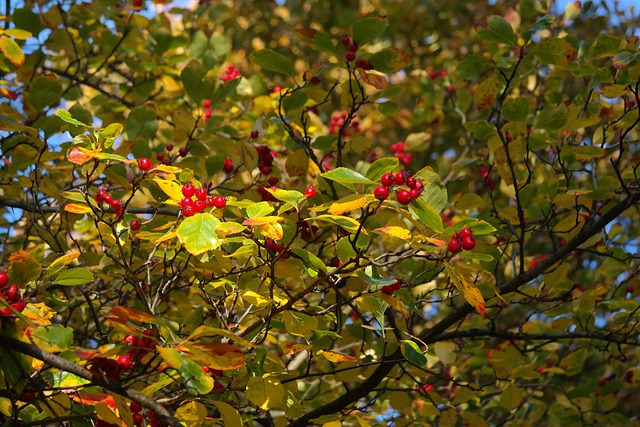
{"type": "Point", "coordinates": [188, 190]}
{"type": "Point", "coordinates": [4, 279]}
{"type": "Point", "coordinates": [138, 419]}
{"type": "Point", "coordinates": [404, 197]}
{"type": "Point", "coordinates": [254, 134]}
{"type": "Point", "coordinates": [188, 210]}
{"type": "Point", "coordinates": [346, 40]}
{"type": "Point", "coordinates": [169, 147]}
{"type": "Point", "coordinates": [130, 340]}
{"type": "Point", "coordinates": [19, 305]}
{"type": "Point", "coordinates": [13, 294]}
{"type": "Point", "coordinates": [454, 245]}
{"type": "Point", "coordinates": [399, 179]}
{"type": "Point", "coordinates": [264, 169]}
{"type": "Point", "coordinates": [124, 362]}
{"type": "Point", "coordinates": [144, 163]}
{"type": "Point", "coordinates": [206, 369]}
{"type": "Point", "coordinates": [353, 47]}
{"type": "Point", "coordinates": [278, 247]}
{"type": "Point", "coordinates": [381, 193]}
{"type": "Point", "coordinates": [387, 179]}
{"type": "Point", "coordinates": [270, 244]}
{"type": "Point", "coordinates": [411, 182]}
{"type": "Point", "coordinates": [135, 407]}
{"type": "Point", "coordinates": [228, 165]}
{"type": "Point", "coordinates": [350, 56]}
{"type": "Point", "coordinates": [220, 202]}
{"type": "Point", "coordinates": [200, 205]}
{"type": "Point", "coordinates": [207, 103]}
{"type": "Point", "coordinates": [468, 243]}
{"type": "Point", "coordinates": [183, 151]}
{"type": "Point", "coordinates": [272, 180]}
{"type": "Point", "coordinates": [108, 199]}
{"type": "Point", "coordinates": [387, 289]}
{"type": "Point", "coordinates": [160, 157]}
{"type": "Point", "coordinates": [134, 225]}
{"type": "Point", "coordinates": [314, 80]}
{"type": "Point", "coordinates": [310, 192]}
{"type": "Point", "coordinates": [187, 201]}
{"type": "Point", "coordinates": [465, 232]}
{"type": "Point", "coordinates": [433, 75]}
{"type": "Point", "coordinates": [201, 193]}
{"type": "Point", "coordinates": [414, 193]}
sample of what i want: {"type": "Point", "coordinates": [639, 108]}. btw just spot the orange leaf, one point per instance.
{"type": "Point", "coordinates": [467, 288]}
{"type": "Point", "coordinates": [292, 347]}
{"type": "Point", "coordinates": [373, 79]}
{"type": "Point", "coordinates": [485, 93]}
{"type": "Point", "coordinates": [92, 399]}
{"type": "Point", "coordinates": [334, 357]}
{"type": "Point", "coordinates": [77, 208]}
{"type": "Point", "coordinates": [12, 51]}
{"type": "Point", "coordinates": [19, 256]}
{"type": "Point", "coordinates": [216, 356]}
{"type": "Point", "coordinates": [399, 232]}
{"type": "Point", "coordinates": [121, 314]}
{"type": "Point", "coordinates": [80, 156]}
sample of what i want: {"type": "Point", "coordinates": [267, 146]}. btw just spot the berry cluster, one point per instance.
{"type": "Point", "coordinates": [308, 233]}
{"type": "Point", "coordinates": [404, 196]}
{"type": "Point", "coordinates": [103, 197]}
{"type": "Point", "coordinates": [191, 207]}
{"type": "Point", "coordinates": [230, 73]}
{"type": "Point", "coordinates": [435, 74]}
{"type": "Point", "coordinates": [208, 112]}
{"type": "Point", "coordinates": [398, 150]}
{"type": "Point", "coordinates": [488, 181]}
{"type": "Point", "coordinates": [390, 289]}
{"type": "Point", "coordinates": [337, 121]}
{"type": "Point", "coordinates": [265, 159]}
{"type": "Point", "coordinates": [168, 160]}
{"type": "Point", "coordinates": [111, 369]}
{"type": "Point", "coordinates": [276, 248]}
{"type": "Point", "coordinates": [10, 294]}
{"type": "Point", "coordinates": [350, 56]}
{"type": "Point", "coordinates": [461, 240]}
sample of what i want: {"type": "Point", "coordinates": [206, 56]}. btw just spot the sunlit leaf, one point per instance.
{"type": "Point", "coordinates": [198, 233]}
{"type": "Point", "coordinates": [266, 393]}
{"type": "Point", "coordinates": [74, 277]}
{"type": "Point", "coordinates": [12, 51]}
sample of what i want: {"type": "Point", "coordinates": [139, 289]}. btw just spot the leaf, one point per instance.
{"type": "Point", "coordinates": [259, 209]}
{"type": "Point", "coordinates": [141, 124]}
{"type": "Point", "coordinates": [107, 135]}
{"type": "Point", "coordinates": [229, 414]}
{"type": "Point", "coordinates": [67, 117]}
{"type": "Point", "coordinates": [123, 315]}
{"type": "Point", "coordinates": [472, 67]}
{"type": "Point", "coordinates": [191, 413]}
{"type": "Point", "coordinates": [61, 262]}
{"type": "Point", "coordinates": [80, 156]}
{"type": "Point", "coordinates": [498, 31]}
{"type": "Point", "coordinates": [552, 117]}
{"type": "Point", "coordinates": [412, 353]}
{"type": "Point", "coordinates": [294, 101]}
{"type": "Point", "coordinates": [194, 378]}
{"type": "Point", "coordinates": [292, 197]}
{"type": "Point", "coordinates": [478, 226]}
{"type": "Point", "coordinates": [434, 193]}
{"type": "Point", "coordinates": [398, 232]}
{"type": "Point", "coordinates": [299, 324]}
{"type": "Point", "coordinates": [273, 61]}
{"type": "Point", "coordinates": [614, 91]}
{"type": "Point", "coordinates": [468, 289]}
{"type": "Point", "coordinates": [388, 108]}
{"type": "Point", "coordinates": [516, 109]}
{"type": "Point", "coordinates": [18, 33]}
{"type": "Point", "coordinates": [381, 166]}
{"type": "Point", "coordinates": [368, 29]}
{"type": "Point", "coordinates": [372, 78]}
{"type": "Point", "coordinates": [390, 60]}
{"type": "Point", "coordinates": [170, 188]}
{"type": "Point", "coordinates": [77, 208]}
{"type": "Point", "coordinates": [511, 397]}
{"type": "Point", "coordinates": [445, 352]}
{"type": "Point", "coordinates": [350, 203]}
{"type": "Point", "coordinates": [210, 331]}
{"type": "Point", "coordinates": [198, 233]}
{"type": "Point", "coordinates": [310, 260]}
{"type": "Point", "coordinates": [624, 58]}
{"type": "Point", "coordinates": [12, 51]}
{"type": "Point", "coordinates": [555, 51]}
{"type": "Point", "coordinates": [334, 357]}
{"type": "Point", "coordinates": [481, 129]}
{"type": "Point", "coordinates": [349, 224]}
{"type": "Point", "coordinates": [255, 299]}
{"type": "Point", "coordinates": [53, 339]}
{"type": "Point", "coordinates": [318, 40]}
{"type": "Point", "coordinates": [346, 176]}
{"type": "Point", "coordinates": [74, 277]}
{"type": "Point", "coordinates": [224, 357]}
{"type": "Point", "coordinates": [266, 393]}
{"type": "Point", "coordinates": [426, 214]}
{"type": "Point", "coordinates": [297, 163]}
{"type": "Point", "coordinates": [224, 91]}
{"type": "Point", "coordinates": [485, 93]}
{"type": "Point", "coordinates": [605, 46]}
{"type": "Point", "coordinates": [193, 80]}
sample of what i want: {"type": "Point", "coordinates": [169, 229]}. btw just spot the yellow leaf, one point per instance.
{"type": "Point", "coordinates": [445, 351]}
{"type": "Point", "coordinates": [255, 299]}
{"type": "Point", "coordinates": [191, 413]}
{"type": "Point", "coordinates": [468, 289]}
{"type": "Point", "coordinates": [395, 303]}
{"type": "Point", "coordinates": [217, 356]}
{"type": "Point", "coordinates": [297, 163]}
{"type": "Point", "coordinates": [77, 208]}
{"type": "Point", "coordinates": [349, 203]}
{"type": "Point", "coordinates": [334, 357]}
{"type": "Point", "coordinates": [399, 232]}
{"type": "Point", "coordinates": [170, 188]}
{"type": "Point", "coordinates": [261, 220]}
{"type": "Point", "coordinates": [230, 416]}
{"type": "Point", "coordinates": [485, 93]}
{"type": "Point", "coordinates": [299, 324]}
{"type": "Point", "coordinates": [332, 424]}
{"type": "Point", "coordinates": [12, 51]}
{"type": "Point", "coordinates": [106, 414]}
{"type": "Point", "coordinates": [272, 231]}
{"type": "Point", "coordinates": [266, 393]}
{"type": "Point", "coordinates": [292, 347]}
{"type": "Point", "coordinates": [80, 156]}
{"type": "Point", "coordinates": [168, 169]}
{"type": "Point", "coordinates": [375, 79]}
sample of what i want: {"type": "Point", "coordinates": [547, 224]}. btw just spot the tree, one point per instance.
{"type": "Point", "coordinates": [260, 213]}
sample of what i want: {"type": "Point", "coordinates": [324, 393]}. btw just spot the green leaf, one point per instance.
{"type": "Point", "coordinates": [107, 135]}
{"type": "Point", "coordinates": [12, 51]}
{"type": "Point", "coordinates": [229, 414]}
{"type": "Point", "coordinates": [193, 80]}
{"type": "Point", "coordinates": [259, 209]}
{"type": "Point", "coordinates": [622, 59]}
{"type": "Point", "coordinates": [485, 93]}
{"type": "Point", "coordinates": [472, 67]}
{"type": "Point", "coordinates": [368, 29]}
{"type": "Point", "coordinates": [552, 117]}
{"type": "Point", "coordinates": [66, 116]}
{"type": "Point", "coordinates": [478, 226]}
{"type": "Point", "coordinates": [273, 61]}
{"type": "Point", "coordinates": [198, 45]}
{"type": "Point", "coordinates": [299, 324]}
{"type": "Point", "coordinates": [412, 353]}
{"type": "Point", "coordinates": [511, 397]}
{"type": "Point", "coordinates": [481, 129]}
{"type": "Point", "coordinates": [348, 223]}
{"type": "Point", "coordinates": [380, 167]}
{"type": "Point", "coordinates": [141, 124]}
{"type": "Point", "coordinates": [346, 176]}
{"type": "Point", "coordinates": [44, 91]}
{"type": "Point", "coordinates": [498, 31]}
{"type": "Point", "coordinates": [389, 108]}
{"type": "Point", "coordinates": [318, 41]}
{"type": "Point", "coordinates": [74, 277]}
{"type": "Point", "coordinates": [310, 260]}
{"type": "Point", "coordinates": [426, 214]}
{"type": "Point", "coordinates": [224, 91]}
{"type": "Point", "coordinates": [555, 51]}
{"type": "Point", "coordinates": [390, 60]}
{"type": "Point", "coordinates": [53, 339]}
{"type": "Point", "coordinates": [295, 101]}
{"type": "Point", "coordinates": [292, 197]}
{"type": "Point", "coordinates": [515, 109]}
{"type": "Point", "coordinates": [195, 379]}
{"type": "Point", "coordinates": [198, 233]}
{"type": "Point", "coordinates": [434, 193]}
{"type": "Point", "coordinates": [542, 23]}
{"type": "Point", "coordinates": [605, 46]}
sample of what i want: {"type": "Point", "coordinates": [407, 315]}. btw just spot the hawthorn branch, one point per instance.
{"type": "Point", "coordinates": [35, 208]}
{"type": "Point", "coordinates": [546, 336]}
{"type": "Point", "coordinates": [22, 347]}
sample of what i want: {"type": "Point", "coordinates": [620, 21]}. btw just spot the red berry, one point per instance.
{"type": "Point", "coordinates": [228, 165]}
{"type": "Point", "coordinates": [350, 56]}
{"type": "Point", "coordinates": [411, 182]}
{"type": "Point", "coordinates": [465, 232]}
{"type": "Point", "coordinates": [206, 369]}
{"type": "Point", "coordinates": [454, 245]}
{"type": "Point", "coordinates": [403, 196]}
{"type": "Point", "coordinates": [310, 192]}
{"type": "Point", "coordinates": [207, 103]}
{"type": "Point", "coordinates": [381, 193]}
{"type": "Point", "coordinates": [19, 305]}
{"type": "Point", "coordinates": [602, 382]}
{"type": "Point", "coordinates": [160, 157]}
{"type": "Point", "coordinates": [387, 179]}
{"type": "Point", "coordinates": [346, 40]}
{"type": "Point", "coordinates": [169, 147]}
{"type": "Point", "coordinates": [314, 80]}
{"type": "Point", "coordinates": [200, 205]}
{"type": "Point", "coordinates": [13, 293]}
{"type": "Point", "coordinates": [254, 134]}
{"type": "Point", "coordinates": [187, 201]}
{"type": "Point", "coordinates": [433, 75]}
{"type": "Point", "coordinates": [397, 285]}
{"type": "Point", "coordinates": [399, 179]}
{"type": "Point", "coordinates": [135, 407]}
{"type": "Point", "coordinates": [270, 245]}
{"type": "Point", "coordinates": [108, 199]}
{"type": "Point", "coordinates": [388, 289]}
{"type": "Point", "coordinates": [353, 47]}
{"type": "Point", "coordinates": [359, 63]}
{"type": "Point", "coordinates": [188, 210]}
{"type": "Point", "coordinates": [201, 193]}
{"type": "Point", "coordinates": [443, 73]}
{"type": "Point", "coordinates": [414, 193]}
{"type": "Point", "coordinates": [367, 65]}
{"type": "Point", "coordinates": [278, 247]}
{"type": "Point", "coordinates": [468, 243]}
{"type": "Point", "coordinates": [264, 169]}
{"type": "Point", "coordinates": [188, 190]}
{"type": "Point", "coordinates": [98, 198]}
{"type": "Point", "coordinates": [4, 279]}
{"type": "Point", "coordinates": [220, 202]}
{"type": "Point", "coordinates": [138, 419]}
{"type": "Point", "coordinates": [144, 163]}
{"type": "Point", "coordinates": [124, 362]}
{"type": "Point", "coordinates": [130, 340]}
{"type": "Point", "coordinates": [183, 151]}
{"type": "Point", "coordinates": [134, 225]}
{"type": "Point", "coordinates": [273, 180]}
